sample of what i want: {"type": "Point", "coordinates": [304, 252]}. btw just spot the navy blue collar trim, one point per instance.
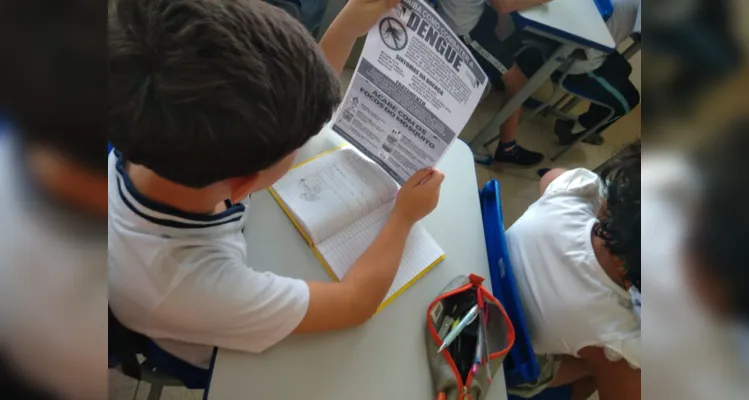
{"type": "Point", "coordinates": [200, 220]}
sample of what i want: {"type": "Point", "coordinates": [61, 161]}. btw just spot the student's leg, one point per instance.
{"type": "Point", "coordinates": [575, 372]}
{"type": "Point", "coordinates": [497, 61]}
{"type": "Point", "coordinates": [514, 80]}
{"type": "Point", "coordinates": [609, 84]}
{"type": "Point", "coordinates": [556, 371]}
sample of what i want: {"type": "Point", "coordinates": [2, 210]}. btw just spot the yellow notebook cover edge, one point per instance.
{"type": "Point", "coordinates": [319, 256]}
{"type": "Point", "coordinates": [326, 152]}
{"type": "Point", "coordinates": [283, 206]}
{"type": "Point", "coordinates": [290, 215]}
{"type": "Point", "coordinates": [410, 283]}
{"type": "Point", "coordinates": [304, 235]}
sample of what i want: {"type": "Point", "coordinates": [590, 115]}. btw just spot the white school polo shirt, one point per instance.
{"type": "Point", "coordinates": [182, 279]}
{"type": "Point", "coordinates": [461, 15]}
{"type": "Point", "coordinates": [622, 23]}
{"type": "Point", "coordinates": [690, 354]}
{"type": "Point", "coordinates": [568, 299]}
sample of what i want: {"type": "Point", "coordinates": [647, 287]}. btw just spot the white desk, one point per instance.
{"type": "Point", "coordinates": [572, 23]}
{"type": "Point", "coordinates": [386, 357]}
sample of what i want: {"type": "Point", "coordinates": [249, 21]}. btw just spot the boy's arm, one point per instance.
{"type": "Point", "coordinates": [508, 6]}
{"type": "Point", "coordinates": [355, 19]}
{"type": "Point", "coordinates": [356, 298]}
{"type": "Point", "coordinates": [615, 380]}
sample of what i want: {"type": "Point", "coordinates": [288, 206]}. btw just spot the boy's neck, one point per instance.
{"type": "Point", "coordinates": [205, 201]}
{"type": "Point", "coordinates": [607, 260]}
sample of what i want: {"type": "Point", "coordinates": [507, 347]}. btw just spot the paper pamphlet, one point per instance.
{"type": "Point", "coordinates": [414, 89]}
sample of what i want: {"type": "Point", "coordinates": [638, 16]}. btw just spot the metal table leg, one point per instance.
{"type": "Point", "coordinates": [492, 128]}
{"type": "Point", "coordinates": [631, 50]}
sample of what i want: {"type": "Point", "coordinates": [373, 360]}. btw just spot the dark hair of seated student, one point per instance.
{"type": "Point", "coordinates": [620, 222]}
{"type": "Point", "coordinates": [718, 238]}
{"type": "Point", "coordinates": [203, 91]}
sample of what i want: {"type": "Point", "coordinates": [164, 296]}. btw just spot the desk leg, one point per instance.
{"type": "Point", "coordinates": [492, 128]}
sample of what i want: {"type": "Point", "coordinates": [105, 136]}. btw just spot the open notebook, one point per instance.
{"type": "Point", "coordinates": [339, 201]}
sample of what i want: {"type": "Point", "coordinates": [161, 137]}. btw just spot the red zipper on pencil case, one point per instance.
{"type": "Point", "coordinates": [482, 296]}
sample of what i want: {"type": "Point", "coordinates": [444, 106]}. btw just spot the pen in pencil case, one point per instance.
{"type": "Point", "coordinates": [479, 350]}
{"type": "Point", "coordinates": [465, 321]}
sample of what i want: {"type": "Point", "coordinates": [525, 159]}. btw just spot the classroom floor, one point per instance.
{"type": "Point", "coordinates": [520, 185]}
{"type": "Point", "coordinates": [519, 190]}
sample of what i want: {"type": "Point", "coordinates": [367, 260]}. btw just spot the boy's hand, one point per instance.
{"type": "Point", "coordinates": [359, 16]}
{"type": "Point", "coordinates": [418, 196]}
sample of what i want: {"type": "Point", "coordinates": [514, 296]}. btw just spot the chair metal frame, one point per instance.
{"type": "Point", "coordinates": [531, 44]}
{"type": "Point", "coordinates": [156, 379]}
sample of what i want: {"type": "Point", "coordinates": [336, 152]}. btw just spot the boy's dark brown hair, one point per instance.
{"type": "Point", "coordinates": [621, 222]}
{"type": "Point", "coordinates": [205, 90]}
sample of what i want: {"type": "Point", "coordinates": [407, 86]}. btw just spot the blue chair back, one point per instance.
{"type": "Point", "coordinates": [606, 8]}
{"type": "Point", "coordinates": [520, 365]}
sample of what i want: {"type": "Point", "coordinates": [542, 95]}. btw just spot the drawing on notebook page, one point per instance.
{"type": "Point", "coordinates": [354, 200]}
{"type": "Point", "coordinates": [309, 193]}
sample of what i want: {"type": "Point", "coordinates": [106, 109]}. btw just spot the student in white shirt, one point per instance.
{"type": "Point", "coordinates": [475, 22]}
{"type": "Point", "coordinates": [576, 257]}
{"type": "Point", "coordinates": [604, 78]}
{"type": "Point", "coordinates": [695, 223]}
{"type": "Point", "coordinates": [209, 102]}
{"type": "Point", "coordinates": [53, 205]}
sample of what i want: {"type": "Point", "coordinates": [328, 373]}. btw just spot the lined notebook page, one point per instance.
{"type": "Point", "coordinates": [345, 247]}
{"type": "Point", "coordinates": [331, 192]}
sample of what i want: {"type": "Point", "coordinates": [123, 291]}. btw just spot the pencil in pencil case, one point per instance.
{"type": "Point", "coordinates": [450, 380]}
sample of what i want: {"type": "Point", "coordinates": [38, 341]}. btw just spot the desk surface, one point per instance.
{"type": "Point", "coordinates": [576, 22]}
{"type": "Point", "coordinates": [384, 358]}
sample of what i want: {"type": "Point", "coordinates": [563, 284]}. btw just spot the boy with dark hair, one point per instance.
{"type": "Point", "coordinates": [209, 101]}
{"type": "Point", "coordinates": [576, 257]}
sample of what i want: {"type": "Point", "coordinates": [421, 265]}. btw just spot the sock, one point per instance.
{"type": "Point", "coordinates": [578, 128]}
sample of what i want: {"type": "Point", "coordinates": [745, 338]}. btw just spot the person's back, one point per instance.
{"type": "Point", "coordinates": [575, 255]}
{"type": "Point", "coordinates": [559, 277]}
{"type": "Point", "coordinates": [209, 102]}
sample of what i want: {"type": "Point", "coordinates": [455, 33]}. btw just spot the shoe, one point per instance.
{"type": "Point", "coordinates": [518, 156]}
{"type": "Point", "coordinates": [563, 130]}
{"type": "Point", "coordinates": [595, 139]}
{"type": "Point", "coordinates": [483, 159]}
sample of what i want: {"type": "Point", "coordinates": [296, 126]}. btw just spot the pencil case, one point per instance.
{"type": "Point", "coordinates": [450, 375]}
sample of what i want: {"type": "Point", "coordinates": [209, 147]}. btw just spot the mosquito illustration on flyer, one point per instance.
{"type": "Point", "coordinates": [393, 33]}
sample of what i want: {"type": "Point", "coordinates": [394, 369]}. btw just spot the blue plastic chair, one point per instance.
{"type": "Point", "coordinates": [605, 7]}
{"type": "Point", "coordinates": [520, 365]}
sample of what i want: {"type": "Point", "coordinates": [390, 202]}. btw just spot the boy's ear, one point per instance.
{"type": "Point", "coordinates": [241, 187]}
